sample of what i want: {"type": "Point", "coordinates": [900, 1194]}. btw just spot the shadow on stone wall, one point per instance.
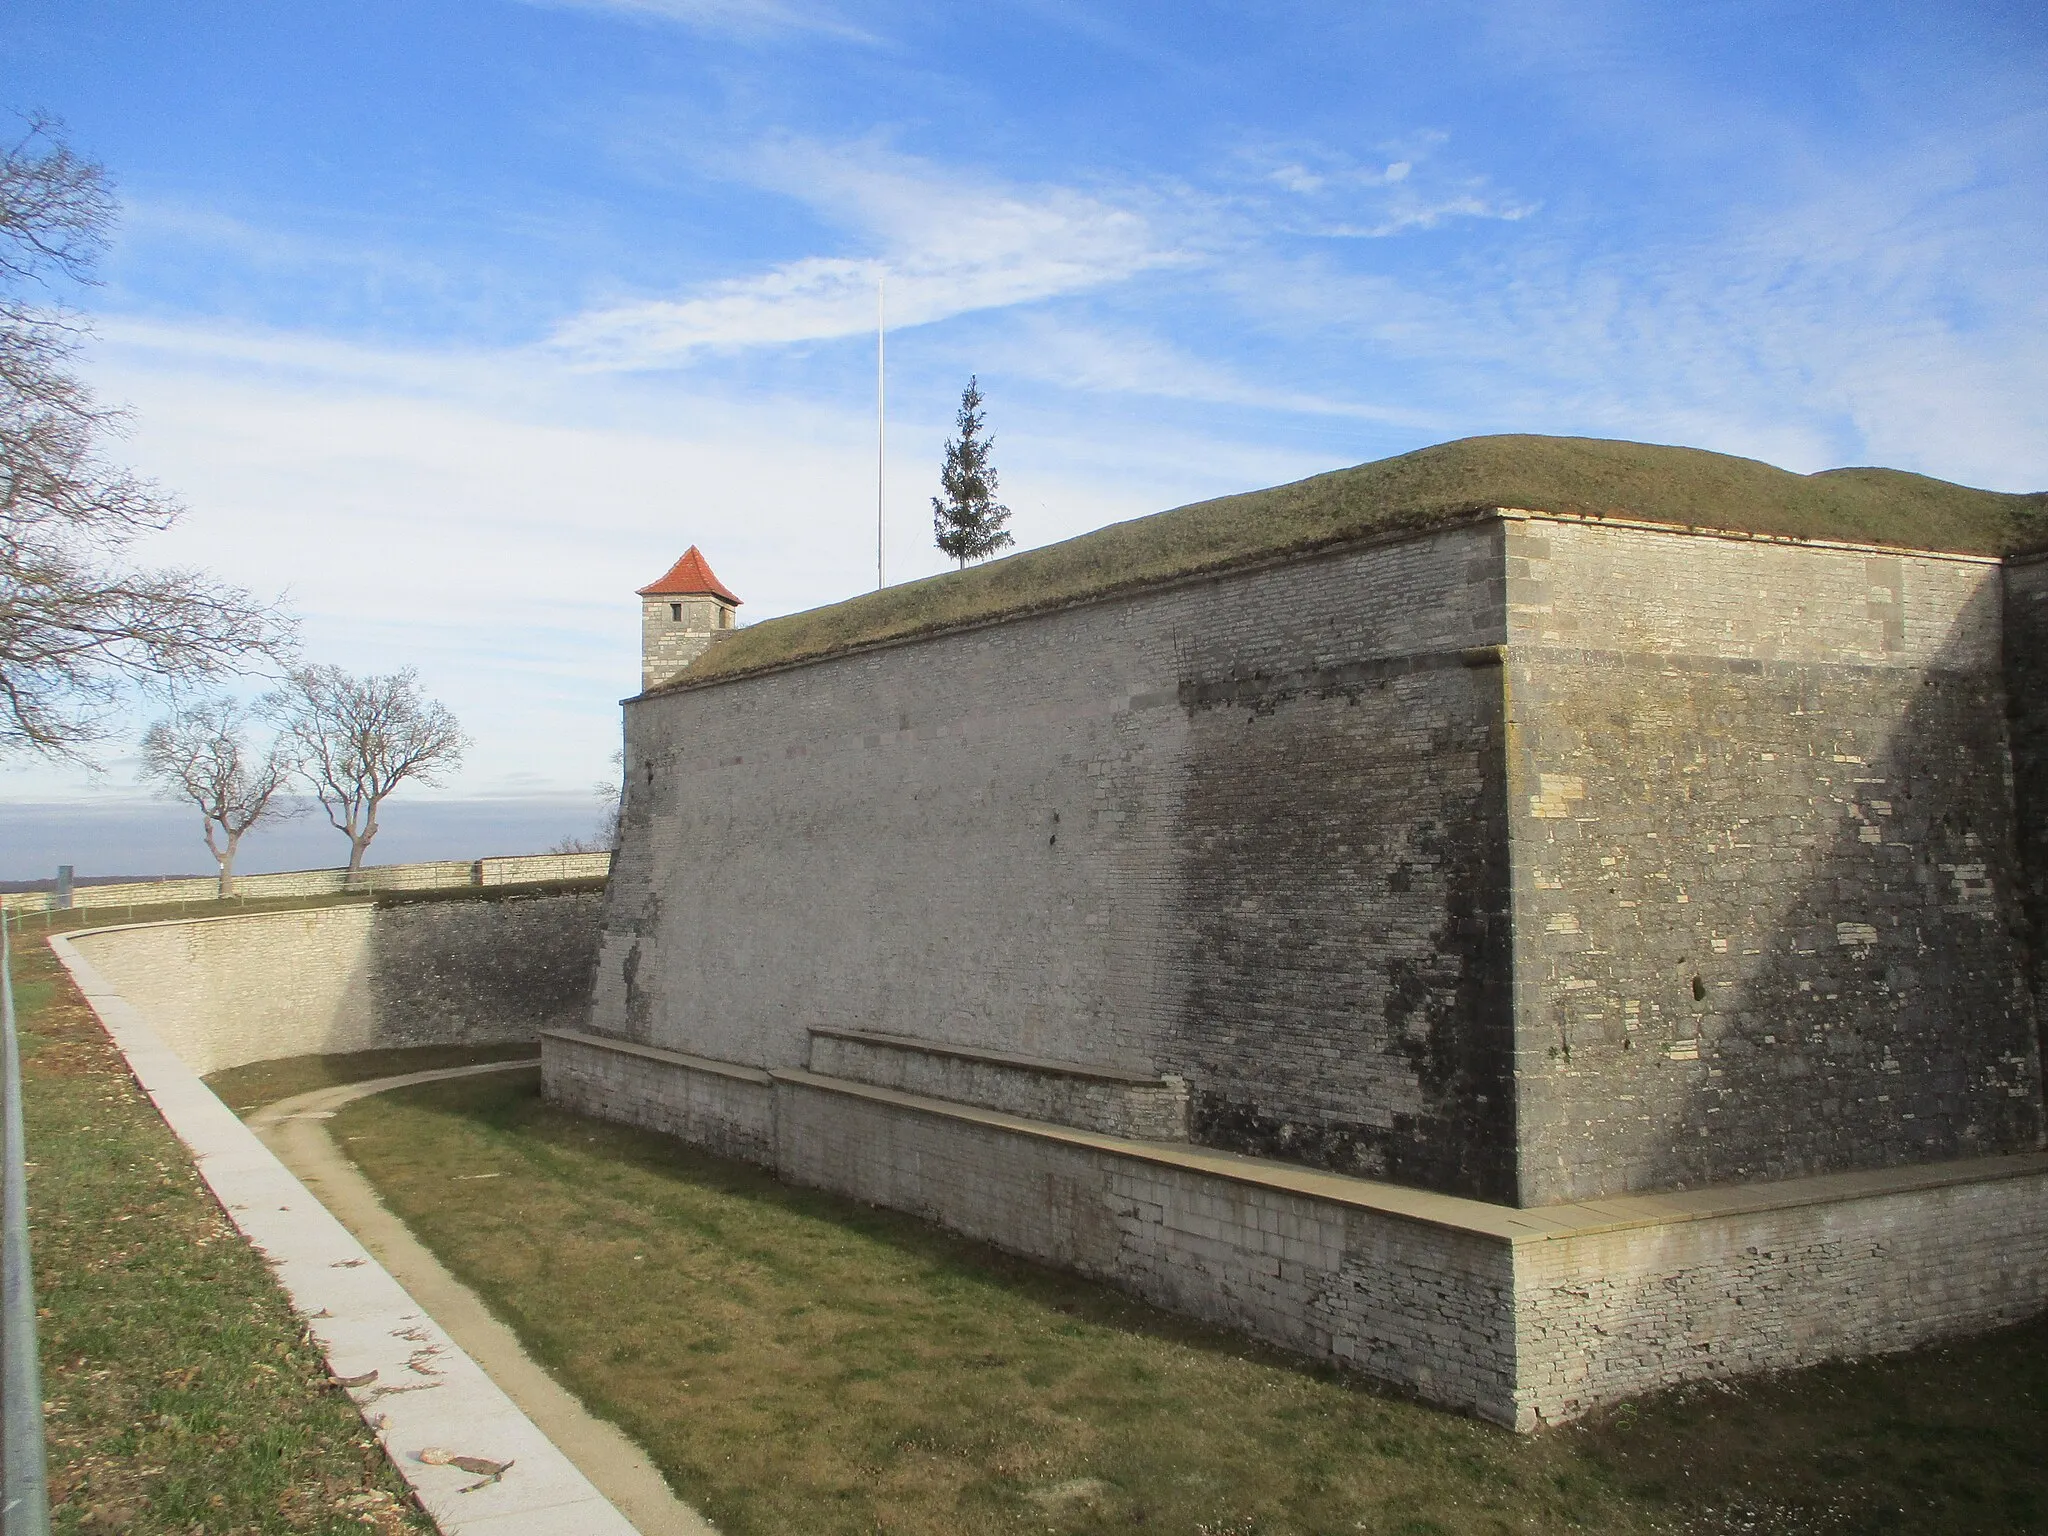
{"type": "Point", "coordinates": [1888, 1020]}
{"type": "Point", "coordinates": [2026, 683]}
{"type": "Point", "coordinates": [1344, 877]}
{"type": "Point", "coordinates": [483, 969]}
{"type": "Point", "coordinates": [1780, 935]}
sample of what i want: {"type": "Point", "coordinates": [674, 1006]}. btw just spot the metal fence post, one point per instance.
{"type": "Point", "coordinates": [24, 1485]}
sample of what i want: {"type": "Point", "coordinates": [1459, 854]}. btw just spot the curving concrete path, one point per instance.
{"type": "Point", "coordinates": [423, 1394]}
{"type": "Point", "coordinates": [296, 1130]}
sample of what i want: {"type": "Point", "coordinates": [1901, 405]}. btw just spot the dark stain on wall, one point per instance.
{"type": "Point", "coordinates": [1344, 876]}
{"type": "Point", "coordinates": [2026, 694]}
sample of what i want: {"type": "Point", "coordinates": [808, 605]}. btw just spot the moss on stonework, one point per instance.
{"type": "Point", "coordinates": [1433, 487]}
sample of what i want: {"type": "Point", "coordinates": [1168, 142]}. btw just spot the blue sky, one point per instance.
{"type": "Point", "coordinates": [459, 320]}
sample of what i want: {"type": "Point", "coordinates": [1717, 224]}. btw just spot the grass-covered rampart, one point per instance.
{"type": "Point", "coordinates": [1430, 488]}
{"type": "Point", "coordinates": [183, 1394]}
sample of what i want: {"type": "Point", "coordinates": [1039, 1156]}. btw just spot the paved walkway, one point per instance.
{"type": "Point", "coordinates": [296, 1130]}
{"type": "Point", "coordinates": [427, 1400]}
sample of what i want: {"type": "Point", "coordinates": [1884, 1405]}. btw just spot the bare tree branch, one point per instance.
{"type": "Point", "coordinates": [55, 206]}
{"type": "Point", "coordinates": [356, 739]}
{"type": "Point", "coordinates": [77, 623]}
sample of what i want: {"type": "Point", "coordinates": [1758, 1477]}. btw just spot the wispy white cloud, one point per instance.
{"type": "Point", "coordinates": [952, 243]}
{"type": "Point", "coordinates": [154, 223]}
{"type": "Point", "coordinates": [1339, 196]}
{"type": "Point", "coordinates": [1408, 213]}
{"type": "Point", "coordinates": [728, 18]}
{"type": "Point", "coordinates": [486, 515]}
{"type": "Point", "coordinates": [1128, 361]}
{"type": "Point", "coordinates": [1894, 314]}
{"type": "Point", "coordinates": [949, 243]}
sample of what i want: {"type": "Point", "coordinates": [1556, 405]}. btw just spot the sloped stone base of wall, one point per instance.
{"type": "Point", "coordinates": [1523, 1317]}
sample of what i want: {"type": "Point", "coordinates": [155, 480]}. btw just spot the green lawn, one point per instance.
{"type": "Point", "coordinates": [801, 1364]}
{"type": "Point", "coordinates": [183, 1396]}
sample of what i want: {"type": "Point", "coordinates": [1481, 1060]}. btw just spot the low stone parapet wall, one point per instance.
{"type": "Point", "coordinates": [1525, 1317]}
{"type": "Point", "coordinates": [1089, 1098]}
{"type": "Point", "coordinates": [225, 991]}
{"type": "Point", "coordinates": [440, 874]}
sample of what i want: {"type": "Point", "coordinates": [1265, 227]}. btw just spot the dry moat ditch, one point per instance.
{"type": "Point", "coordinates": [798, 1363]}
{"type": "Point", "coordinates": [795, 1362]}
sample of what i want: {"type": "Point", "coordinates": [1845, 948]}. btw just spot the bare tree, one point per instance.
{"type": "Point", "coordinates": [356, 739]}
{"type": "Point", "coordinates": [77, 624]}
{"type": "Point", "coordinates": [202, 754]}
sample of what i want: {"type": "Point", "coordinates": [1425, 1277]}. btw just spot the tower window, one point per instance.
{"type": "Point", "coordinates": [724, 618]}
{"type": "Point", "coordinates": [675, 611]}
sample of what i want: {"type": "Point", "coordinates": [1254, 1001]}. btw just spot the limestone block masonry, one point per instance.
{"type": "Point", "coordinates": [1593, 953]}
{"type": "Point", "coordinates": [2026, 670]}
{"type": "Point", "coordinates": [1088, 1098]}
{"type": "Point", "coordinates": [1768, 890]}
{"type": "Point", "coordinates": [230, 990]}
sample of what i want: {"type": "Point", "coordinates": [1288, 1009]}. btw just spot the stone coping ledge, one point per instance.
{"type": "Point", "coordinates": [716, 1068]}
{"type": "Point", "coordinates": [1477, 1217]}
{"type": "Point", "coordinates": [1748, 536]}
{"type": "Point", "coordinates": [1039, 1064]}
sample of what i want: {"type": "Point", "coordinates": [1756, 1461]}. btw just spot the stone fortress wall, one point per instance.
{"type": "Point", "coordinates": [1063, 838]}
{"type": "Point", "coordinates": [226, 991]}
{"type": "Point", "coordinates": [1768, 885]}
{"type": "Point", "coordinates": [1559, 957]}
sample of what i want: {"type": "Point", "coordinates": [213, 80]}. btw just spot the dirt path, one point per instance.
{"type": "Point", "coordinates": [295, 1130]}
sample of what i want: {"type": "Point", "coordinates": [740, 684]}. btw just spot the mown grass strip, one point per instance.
{"type": "Point", "coordinates": [183, 1396]}
{"type": "Point", "coordinates": [797, 1363]}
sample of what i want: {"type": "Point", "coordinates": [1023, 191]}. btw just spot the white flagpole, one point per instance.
{"type": "Point", "coordinates": [881, 429]}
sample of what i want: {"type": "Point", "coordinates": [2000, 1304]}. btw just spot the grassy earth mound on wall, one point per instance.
{"type": "Point", "coordinates": [1433, 487]}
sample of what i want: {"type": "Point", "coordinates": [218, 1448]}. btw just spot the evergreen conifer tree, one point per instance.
{"type": "Point", "coordinates": [968, 521]}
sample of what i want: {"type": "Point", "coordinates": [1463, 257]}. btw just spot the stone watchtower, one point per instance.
{"type": "Point", "coordinates": [680, 615]}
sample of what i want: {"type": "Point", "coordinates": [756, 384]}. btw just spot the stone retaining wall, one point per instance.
{"type": "Point", "coordinates": [1872, 1268]}
{"type": "Point", "coordinates": [1523, 1317]}
{"type": "Point", "coordinates": [229, 990]}
{"type": "Point", "coordinates": [715, 1104]}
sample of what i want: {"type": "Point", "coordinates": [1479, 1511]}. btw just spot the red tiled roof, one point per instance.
{"type": "Point", "coordinates": [689, 577]}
